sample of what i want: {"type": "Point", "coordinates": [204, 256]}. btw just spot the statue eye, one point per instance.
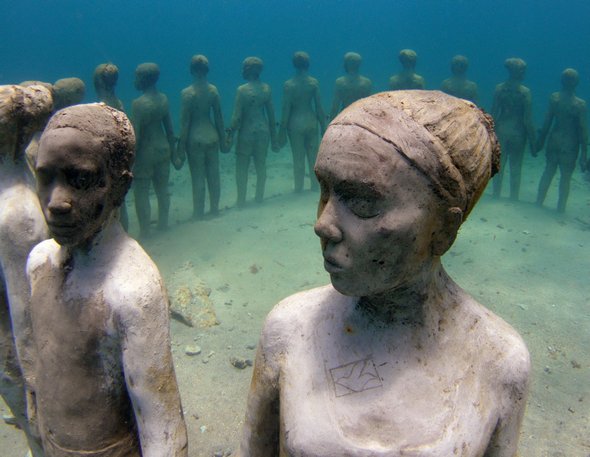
{"type": "Point", "coordinates": [82, 180]}
{"type": "Point", "coordinates": [363, 207]}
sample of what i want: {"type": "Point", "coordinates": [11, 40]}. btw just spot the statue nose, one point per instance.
{"type": "Point", "coordinates": [326, 227]}
{"type": "Point", "coordinates": [59, 202]}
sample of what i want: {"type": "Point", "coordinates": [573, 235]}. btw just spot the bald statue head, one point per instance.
{"type": "Point", "coordinates": [252, 68]}
{"type": "Point", "coordinates": [23, 111]}
{"type": "Point", "coordinates": [352, 62]}
{"type": "Point", "coordinates": [68, 92]}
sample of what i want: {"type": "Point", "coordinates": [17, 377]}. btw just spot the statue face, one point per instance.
{"type": "Point", "coordinates": [73, 185]}
{"type": "Point", "coordinates": [376, 215]}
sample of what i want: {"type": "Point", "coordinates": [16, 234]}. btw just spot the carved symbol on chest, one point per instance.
{"type": "Point", "coordinates": [355, 377]}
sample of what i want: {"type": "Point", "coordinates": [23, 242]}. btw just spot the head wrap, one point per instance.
{"type": "Point", "coordinates": [448, 140]}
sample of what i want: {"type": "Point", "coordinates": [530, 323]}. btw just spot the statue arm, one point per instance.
{"type": "Point", "coordinates": [321, 116]}
{"type": "Point", "coordinates": [185, 125]}
{"type": "Point", "coordinates": [149, 372]}
{"type": "Point", "coordinates": [512, 403]}
{"type": "Point", "coordinates": [218, 120]}
{"type": "Point", "coordinates": [528, 123]}
{"type": "Point", "coordinates": [272, 127]}
{"type": "Point", "coordinates": [546, 125]}
{"type": "Point", "coordinates": [261, 427]}
{"type": "Point", "coordinates": [135, 119]}
{"type": "Point", "coordinates": [285, 116]}
{"type": "Point", "coordinates": [236, 120]}
{"type": "Point", "coordinates": [168, 128]}
{"type": "Point", "coordinates": [336, 102]}
{"type": "Point", "coordinates": [583, 129]}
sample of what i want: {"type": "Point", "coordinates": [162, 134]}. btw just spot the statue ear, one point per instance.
{"type": "Point", "coordinates": [445, 236]}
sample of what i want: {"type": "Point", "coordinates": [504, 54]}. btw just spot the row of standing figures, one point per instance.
{"type": "Point", "coordinates": [253, 126]}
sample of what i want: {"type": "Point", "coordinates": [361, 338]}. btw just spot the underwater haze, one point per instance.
{"type": "Point", "coordinates": [58, 38]}
{"type": "Point", "coordinates": [528, 264]}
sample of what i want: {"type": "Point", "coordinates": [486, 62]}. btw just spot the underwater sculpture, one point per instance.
{"type": "Point", "coordinates": [65, 92]}
{"type": "Point", "coordinates": [393, 358]}
{"type": "Point", "coordinates": [407, 78]}
{"type": "Point", "coordinates": [512, 114]}
{"type": "Point", "coordinates": [104, 383]}
{"type": "Point", "coordinates": [23, 111]}
{"type": "Point", "coordinates": [458, 85]}
{"type": "Point", "coordinates": [68, 92]}
{"type": "Point", "coordinates": [155, 145]}
{"type": "Point", "coordinates": [350, 87]}
{"type": "Point", "coordinates": [254, 121]}
{"type": "Point", "coordinates": [201, 138]}
{"type": "Point", "coordinates": [565, 123]}
{"type": "Point", "coordinates": [302, 113]}
{"type": "Point", "coordinates": [105, 80]}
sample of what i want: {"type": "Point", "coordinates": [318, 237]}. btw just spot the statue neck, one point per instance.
{"type": "Point", "coordinates": [408, 304]}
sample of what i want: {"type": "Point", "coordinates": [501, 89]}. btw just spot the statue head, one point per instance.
{"type": "Point", "coordinates": [105, 77]}
{"type": "Point", "coordinates": [569, 79]}
{"type": "Point", "coordinates": [67, 92]}
{"type": "Point", "coordinates": [516, 68]}
{"type": "Point", "coordinates": [459, 65]}
{"type": "Point", "coordinates": [407, 58]}
{"type": "Point", "coordinates": [199, 65]}
{"type": "Point", "coordinates": [399, 172]}
{"type": "Point", "coordinates": [251, 68]}
{"type": "Point", "coordinates": [83, 170]}
{"type": "Point", "coordinates": [23, 112]}
{"type": "Point", "coordinates": [146, 75]}
{"type": "Point", "coordinates": [352, 62]}
{"type": "Point", "coordinates": [301, 60]}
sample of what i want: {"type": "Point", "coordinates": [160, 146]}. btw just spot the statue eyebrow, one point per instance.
{"type": "Point", "coordinates": [358, 189]}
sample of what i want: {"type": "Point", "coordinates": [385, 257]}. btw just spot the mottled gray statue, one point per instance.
{"type": "Point", "coordinates": [23, 111]}
{"type": "Point", "coordinates": [393, 358]}
{"type": "Point", "coordinates": [350, 87]}
{"type": "Point", "coordinates": [105, 80]}
{"type": "Point", "coordinates": [65, 92]}
{"type": "Point", "coordinates": [254, 121]}
{"type": "Point", "coordinates": [512, 114]}
{"type": "Point", "coordinates": [68, 92]}
{"type": "Point", "coordinates": [155, 143]}
{"type": "Point", "coordinates": [407, 78]}
{"type": "Point", "coordinates": [566, 131]}
{"type": "Point", "coordinates": [201, 135]}
{"type": "Point", "coordinates": [302, 115]}
{"type": "Point", "coordinates": [458, 85]}
{"type": "Point", "coordinates": [103, 383]}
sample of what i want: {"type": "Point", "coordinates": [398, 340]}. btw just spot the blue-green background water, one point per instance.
{"type": "Point", "coordinates": [52, 39]}
{"type": "Point", "coordinates": [527, 264]}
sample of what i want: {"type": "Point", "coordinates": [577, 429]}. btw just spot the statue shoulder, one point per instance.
{"type": "Point", "coordinates": [503, 349]}
{"type": "Point", "coordinates": [135, 285]}
{"type": "Point", "coordinates": [44, 253]}
{"type": "Point", "coordinates": [187, 92]}
{"type": "Point", "coordinates": [293, 314]}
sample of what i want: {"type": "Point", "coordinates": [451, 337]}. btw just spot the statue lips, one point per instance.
{"type": "Point", "coordinates": [61, 229]}
{"type": "Point", "coordinates": [331, 265]}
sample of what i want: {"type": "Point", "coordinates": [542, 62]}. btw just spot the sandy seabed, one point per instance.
{"type": "Point", "coordinates": [530, 265]}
